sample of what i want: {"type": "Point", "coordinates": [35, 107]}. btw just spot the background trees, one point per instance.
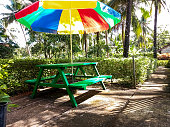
{"type": "Point", "coordinates": [7, 46]}
{"type": "Point", "coordinates": [158, 4]}
{"type": "Point", "coordinates": [105, 44]}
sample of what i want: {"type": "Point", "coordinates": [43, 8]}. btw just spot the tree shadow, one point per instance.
{"type": "Point", "coordinates": [53, 108]}
{"type": "Point", "coordinates": [135, 112]}
{"type": "Point", "coordinates": [81, 98]}
{"type": "Point", "coordinates": [47, 104]}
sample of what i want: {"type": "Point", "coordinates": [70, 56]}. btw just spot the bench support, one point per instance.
{"type": "Point", "coordinates": [56, 78]}
{"type": "Point", "coordinates": [73, 100]}
{"type": "Point", "coordinates": [37, 83]}
{"type": "Point", "coordinates": [97, 73]}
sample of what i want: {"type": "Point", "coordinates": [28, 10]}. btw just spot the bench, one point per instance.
{"type": "Point", "coordinates": [33, 81]}
{"type": "Point", "coordinates": [81, 84]}
{"type": "Point", "coordinates": [101, 76]}
{"type": "Point", "coordinates": [105, 76]}
{"type": "Point", "coordinates": [87, 82]}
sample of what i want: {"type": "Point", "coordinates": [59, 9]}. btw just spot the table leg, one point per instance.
{"type": "Point", "coordinates": [61, 71]}
{"type": "Point", "coordinates": [97, 73]}
{"type": "Point", "coordinates": [37, 83]}
{"type": "Point", "coordinates": [76, 71]}
{"type": "Point", "coordinates": [81, 68]}
{"type": "Point", "coordinates": [54, 81]}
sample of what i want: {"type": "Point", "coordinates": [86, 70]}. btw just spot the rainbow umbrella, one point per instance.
{"type": "Point", "coordinates": [68, 17]}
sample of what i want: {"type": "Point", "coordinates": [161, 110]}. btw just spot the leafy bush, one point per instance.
{"type": "Point", "coordinates": [3, 76]}
{"type": "Point", "coordinates": [144, 54]}
{"type": "Point", "coordinates": [165, 63]}
{"type": "Point", "coordinates": [6, 51]}
{"type": "Point", "coordinates": [122, 68]}
{"type": "Point", "coordinates": [20, 70]}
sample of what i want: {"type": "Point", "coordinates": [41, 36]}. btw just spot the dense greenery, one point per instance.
{"type": "Point", "coordinates": [42, 45]}
{"type": "Point", "coordinates": [20, 70]}
{"type": "Point", "coordinates": [56, 48]}
{"type": "Point", "coordinates": [3, 85]}
{"type": "Point", "coordinates": [165, 63]}
{"type": "Point", "coordinates": [7, 45]}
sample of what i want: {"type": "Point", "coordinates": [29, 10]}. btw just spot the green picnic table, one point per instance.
{"type": "Point", "coordinates": [90, 79]}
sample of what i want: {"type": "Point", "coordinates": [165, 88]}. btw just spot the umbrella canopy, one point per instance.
{"type": "Point", "coordinates": [89, 16]}
{"type": "Point", "coordinates": [68, 17]}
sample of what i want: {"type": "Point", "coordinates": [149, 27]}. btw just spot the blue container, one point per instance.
{"type": "Point", "coordinates": [3, 111]}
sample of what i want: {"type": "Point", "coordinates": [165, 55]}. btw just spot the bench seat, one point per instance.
{"type": "Point", "coordinates": [81, 84]}
{"type": "Point", "coordinates": [87, 82]}
{"type": "Point", "coordinates": [33, 81]}
{"type": "Point", "coordinates": [104, 76]}
{"type": "Point", "coordinates": [101, 76]}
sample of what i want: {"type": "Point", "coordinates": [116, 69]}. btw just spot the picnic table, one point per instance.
{"type": "Point", "coordinates": [90, 79]}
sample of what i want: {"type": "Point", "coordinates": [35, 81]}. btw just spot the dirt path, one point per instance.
{"type": "Point", "coordinates": [148, 105]}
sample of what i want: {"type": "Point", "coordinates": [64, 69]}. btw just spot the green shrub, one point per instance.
{"type": "Point", "coordinates": [165, 63]}
{"type": "Point", "coordinates": [3, 84]}
{"type": "Point", "coordinates": [168, 65]}
{"type": "Point", "coordinates": [20, 70]}
{"type": "Point", "coordinates": [122, 68]}
{"type": "Point", "coordinates": [144, 54]}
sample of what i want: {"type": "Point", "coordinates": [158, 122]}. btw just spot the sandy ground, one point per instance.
{"type": "Point", "coordinates": [146, 106]}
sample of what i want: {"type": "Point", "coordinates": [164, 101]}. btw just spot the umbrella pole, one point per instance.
{"type": "Point", "coordinates": [71, 47]}
{"type": "Point", "coordinates": [71, 52]}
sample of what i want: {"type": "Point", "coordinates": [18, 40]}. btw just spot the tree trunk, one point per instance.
{"type": "Point", "coordinates": [85, 42]}
{"type": "Point", "coordinates": [155, 30]}
{"type": "Point", "coordinates": [106, 34]}
{"type": "Point", "coordinates": [83, 48]}
{"type": "Point", "coordinates": [27, 46]}
{"type": "Point", "coordinates": [45, 49]}
{"type": "Point", "coordinates": [97, 38]}
{"type": "Point", "coordinates": [127, 30]}
{"type": "Point", "coordinates": [123, 32]}
{"type": "Point", "coordinates": [144, 42]}
{"type": "Point", "coordinates": [94, 41]}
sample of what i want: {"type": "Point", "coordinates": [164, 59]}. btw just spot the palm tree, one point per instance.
{"type": "Point", "coordinates": [120, 6]}
{"type": "Point", "coordinates": [144, 26]}
{"type": "Point", "coordinates": [157, 4]}
{"type": "Point", "coordinates": [85, 43]}
{"type": "Point", "coordinates": [140, 26]}
{"type": "Point", "coordinates": [10, 17]}
{"type": "Point", "coordinates": [126, 7]}
{"type": "Point", "coordinates": [155, 30]}
{"type": "Point", "coordinates": [127, 30]}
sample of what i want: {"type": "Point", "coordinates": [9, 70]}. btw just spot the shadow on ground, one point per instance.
{"type": "Point", "coordinates": [149, 105]}
{"type": "Point", "coordinates": [47, 104]}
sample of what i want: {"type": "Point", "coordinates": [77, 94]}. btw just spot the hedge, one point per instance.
{"type": "Point", "coordinates": [165, 63]}
{"type": "Point", "coordinates": [20, 70]}
{"type": "Point", "coordinates": [144, 54]}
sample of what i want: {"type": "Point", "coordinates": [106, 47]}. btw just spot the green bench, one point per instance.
{"type": "Point", "coordinates": [80, 84]}
{"type": "Point", "coordinates": [83, 84]}
{"type": "Point", "coordinates": [33, 81]}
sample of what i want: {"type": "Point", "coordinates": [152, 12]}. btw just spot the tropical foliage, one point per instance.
{"type": "Point", "coordinates": [19, 70]}
{"type": "Point", "coordinates": [43, 45]}
{"type": "Point", "coordinates": [115, 43]}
